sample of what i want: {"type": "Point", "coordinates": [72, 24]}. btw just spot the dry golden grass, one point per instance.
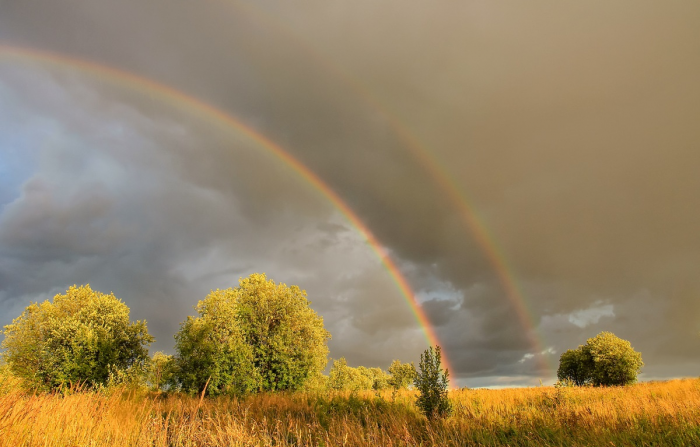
{"type": "Point", "coordinates": [665, 413]}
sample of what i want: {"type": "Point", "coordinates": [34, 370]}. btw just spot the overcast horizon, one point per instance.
{"type": "Point", "coordinates": [568, 131]}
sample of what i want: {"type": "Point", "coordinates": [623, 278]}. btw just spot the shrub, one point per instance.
{"type": "Point", "coordinates": [258, 336]}
{"type": "Point", "coordinates": [432, 383]}
{"type": "Point", "coordinates": [604, 360]}
{"type": "Point", "coordinates": [402, 375]}
{"type": "Point", "coordinates": [81, 337]}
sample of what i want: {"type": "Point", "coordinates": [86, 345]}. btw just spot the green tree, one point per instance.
{"type": "Point", "coordinates": [340, 376]}
{"type": "Point", "coordinates": [211, 351]}
{"type": "Point", "coordinates": [159, 371]}
{"type": "Point", "coordinates": [604, 360]}
{"type": "Point", "coordinates": [316, 383]}
{"type": "Point", "coordinates": [82, 337]}
{"type": "Point", "coordinates": [257, 336]}
{"type": "Point", "coordinates": [575, 366]}
{"type": "Point", "coordinates": [344, 377]}
{"type": "Point", "coordinates": [432, 384]}
{"type": "Point", "coordinates": [380, 379]}
{"type": "Point", "coordinates": [614, 360]}
{"type": "Point", "coordinates": [402, 375]}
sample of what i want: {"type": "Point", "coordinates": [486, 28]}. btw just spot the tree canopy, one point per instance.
{"type": "Point", "coordinates": [604, 360]}
{"type": "Point", "coordinates": [259, 335]}
{"type": "Point", "coordinates": [575, 365]}
{"type": "Point", "coordinates": [402, 375]}
{"type": "Point", "coordinates": [344, 377]}
{"type": "Point", "coordinates": [82, 337]}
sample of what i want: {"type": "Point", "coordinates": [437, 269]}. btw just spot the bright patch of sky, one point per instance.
{"type": "Point", "coordinates": [530, 356]}
{"type": "Point", "coordinates": [442, 291]}
{"type": "Point", "coordinates": [23, 134]}
{"type": "Point", "coordinates": [592, 315]}
{"type": "Point", "coordinates": [581, 318]}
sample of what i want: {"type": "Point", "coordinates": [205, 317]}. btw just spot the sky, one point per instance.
{"type": "Point", "coordinates": [529, 168]}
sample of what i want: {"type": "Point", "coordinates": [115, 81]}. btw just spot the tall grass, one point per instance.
{"type": "Point", "coordinates": [665, 413]}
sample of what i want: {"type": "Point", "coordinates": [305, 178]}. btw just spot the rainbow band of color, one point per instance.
{"type": "Point", "coordinates": [191, 103]}
{"type": "Point", "coordinates": [439, 174]}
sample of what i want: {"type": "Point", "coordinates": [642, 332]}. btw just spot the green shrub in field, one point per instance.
{"type": "Point", "coordinates": [347, 378]}
{"type": "Point", "coordinates": [402, 375]}
{"type": "Point", "coordinates": [604, 360]}
{"type": "Point", "coordinates": [83, 337]}
{"type": "Point", "coordinates": [160, 369]}
{"type": "Point", "coordinates": [257, 336]}
{"type": "Point", "coordinates": [432, 383]}
{"type": "Point", "coordinates": [575, 366]}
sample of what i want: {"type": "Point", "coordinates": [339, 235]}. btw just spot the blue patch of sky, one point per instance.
{"type": "Point", "coordinates": [22, 135]}
{"type": "Point", "coordinates": [439, 294]}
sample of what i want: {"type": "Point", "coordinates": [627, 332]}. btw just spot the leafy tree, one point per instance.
{"type": "Point", "coordinates": [159, 371]}
{"type": "Point", "coordinates": [211, 351]}
{"type": "Point", "coordinates": [604, 360]}
{"type": "Point", "coordinates": [82, 337]}
{"type": "Point", "coordinates": [432, 383]}
{"type": "Point", "coordinates": [380, 379]}
{"type": "Point", "coordinates": [257, 336]}
{"type": "Point", "coordinates": [316, 383]}
{"type": "Point", "coordinates": [340, 376]}
{"type": "Point", "coordinates": [615, 362]}
{"type": "Point", "coordinates": [344, 377]}
{"type": "Point", "coordinates": [402, 375]}
{"type": "Point", "coordinates": [575, 366]}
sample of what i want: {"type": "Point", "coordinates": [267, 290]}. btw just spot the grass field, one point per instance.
{"type": "Point", "coordinates": [647, 414]}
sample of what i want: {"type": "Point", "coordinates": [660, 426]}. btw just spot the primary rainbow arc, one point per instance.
{"type": "Point", "coordinates": [485, 240]}
{"type": "Point", "coordinates": [167, 93]}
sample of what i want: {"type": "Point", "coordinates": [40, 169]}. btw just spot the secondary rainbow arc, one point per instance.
{"type": "Point", "coordinates": [167, 93]}
{"type": "Point", "coordinates": [484, 239]}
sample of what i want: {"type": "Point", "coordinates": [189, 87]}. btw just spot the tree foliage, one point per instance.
{"type": "Point", "coordinates": [432, 384]}
{"type": "Point", "coordinates": [159, 371]}
{"type": "Point", "coordinates": [575, 366]}
{"type": "Point", "coordinates": [615, 362]}
{"type": "Point", "coordinates": [211, 350]}
{"type": "Point", "coordinates": [344, 377]}
{"type": "Point", "coordinates": [402, 375]}
{"type": "Point", "coordinates": [82, 337]}
{"type": "Point", "coordinates": [259, 335]}
{"type": "Point", "coordinates": [604, 360]}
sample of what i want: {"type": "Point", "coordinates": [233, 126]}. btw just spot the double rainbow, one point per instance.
{"type": "Point", "coordinates": [192, 104]}
{"type": "Point", "coordinates": [440, 175]}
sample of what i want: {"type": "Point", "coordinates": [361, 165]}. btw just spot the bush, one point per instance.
{"type": "Point", "coordinates": [575, 366]}
{"type": "Point", "coordinates": [432, 383]}
{"type": "Point", "coordinates": [402, 375]}
{"type": "Point", "coordinates": [258, 336]}
{"type": "Point", "coordinates": [159, 371]}
{"type": "Point", "coordinates": [344, 377]}
{"type": "Point", "coordinates": [604, 360]}
{"type": "Point", "coordinates": [82, 337]}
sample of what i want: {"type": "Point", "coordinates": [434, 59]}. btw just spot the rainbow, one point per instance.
{"type": "Point", "coordinates": [484, 239]}
{"type": "Point", "coordinates": [190, 103]}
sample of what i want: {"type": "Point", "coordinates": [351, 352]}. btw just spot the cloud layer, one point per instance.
{"type": "Point", "coordinates": [572, 130]}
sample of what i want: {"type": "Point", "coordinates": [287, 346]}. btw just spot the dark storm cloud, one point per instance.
{"type": "Point", "coordinates": [572, 127]}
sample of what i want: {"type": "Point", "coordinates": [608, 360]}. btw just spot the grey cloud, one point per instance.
{"type": "Point", "coordinates": [571, 128]}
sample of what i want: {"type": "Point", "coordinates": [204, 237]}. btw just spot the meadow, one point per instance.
{"type": "Point", "coordinates": [645, 414]}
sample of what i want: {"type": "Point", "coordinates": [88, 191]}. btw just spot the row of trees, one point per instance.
{"type": "Point", "coordinates": [259, 336]}
{"type": "Point", "coordinates": [344, 377]}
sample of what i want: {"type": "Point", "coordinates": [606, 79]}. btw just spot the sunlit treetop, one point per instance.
{"type": "Point", "coordinates": [82, 337]}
